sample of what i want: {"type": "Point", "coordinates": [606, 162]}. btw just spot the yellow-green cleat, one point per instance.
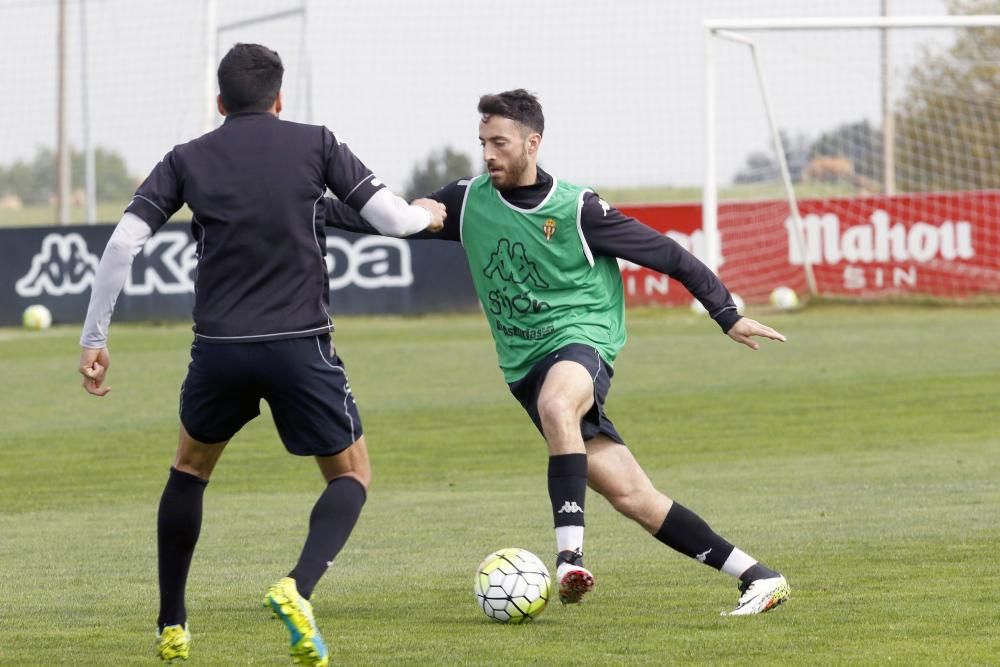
{"type": "Point", "coordinates": [307, 647]}
{"type": "Point", "coordinates": [173, 643]}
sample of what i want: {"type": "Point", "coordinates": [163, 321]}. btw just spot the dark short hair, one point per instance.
{"type": "Point", "coordinates": [519, 105]}
{"type": "Point", "coordinates": [249, 78]}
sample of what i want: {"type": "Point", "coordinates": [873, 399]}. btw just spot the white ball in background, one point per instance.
{"type": "Point", "coordinates": [36, 317]}
{"type": "Point", "coordinates": [697, 308]}
{"type": "Point", "coordinates": [784, 298]}
{"type": "Point", "coordinates": [741, 306]}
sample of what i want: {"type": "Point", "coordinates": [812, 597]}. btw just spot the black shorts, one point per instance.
{"type": "Point", "coordinates": [302, 379]}
{"type": "Point", "coordinates": [526, 389]}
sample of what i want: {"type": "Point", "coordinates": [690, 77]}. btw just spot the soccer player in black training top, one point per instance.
{"type": "Point", "coordinates": [542, 254]}
{"type": "Point", "coordinates": [262, 327]}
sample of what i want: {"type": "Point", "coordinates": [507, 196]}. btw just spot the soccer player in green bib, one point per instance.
{"type": "Point", "coordinates": [543, 258]}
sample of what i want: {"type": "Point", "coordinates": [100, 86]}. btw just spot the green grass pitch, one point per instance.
{"type": "Point", "coordinates": [862, 458]}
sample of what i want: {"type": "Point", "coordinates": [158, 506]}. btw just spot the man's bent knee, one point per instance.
{"type": "Point", "coordinates": [352, 462]}
{"type": "Point", "coordinates": [557, 410]}
{"type": "Point", "coordinates": [195, 457]}
{"type": "Point", "coordinates": [648, 508]}
{"type": "Point", "coordinates": [627, 503]}
{"type": "Point", "coordinates": [364, 480]}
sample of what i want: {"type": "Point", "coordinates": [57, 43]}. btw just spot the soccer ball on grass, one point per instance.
{"type": "Point", "coordinates": [784, 298]}
{"type": "Point", "coordinates": [36, 317]}
{"type": "Point", "coordinates": [512, 585]}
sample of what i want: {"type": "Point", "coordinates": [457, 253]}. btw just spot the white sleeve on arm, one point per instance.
{"type": "Point", "coordinates": [392, 216]}
{"type": "Point", "coordinates": [127, 240]}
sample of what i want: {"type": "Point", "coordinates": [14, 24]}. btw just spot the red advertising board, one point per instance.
{"type": "Point", "coordinates": [943, 245]}
{"type": "Point", "coordinates": [683, 223]}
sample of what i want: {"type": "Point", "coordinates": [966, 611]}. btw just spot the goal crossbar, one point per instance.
{"type": "Point", "coordinates": [856, 22]}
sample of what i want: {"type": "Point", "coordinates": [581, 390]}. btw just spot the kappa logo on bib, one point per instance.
{"type": "Point", "coordinates": [512, 265]}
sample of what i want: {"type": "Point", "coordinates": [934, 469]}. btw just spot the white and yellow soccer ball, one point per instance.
{"type": "Point", "coordinates": [36, 317]}
{"type": "Point", "coordinates": [784, 298]}
{"type": "Point", "coordinates": [512, 586]}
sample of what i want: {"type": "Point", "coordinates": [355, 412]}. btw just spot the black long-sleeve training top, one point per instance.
{"type": "Point", "coordinates": [606, 230]}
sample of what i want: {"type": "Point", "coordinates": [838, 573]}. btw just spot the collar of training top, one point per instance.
{"type": "Point", "coordinates": [246, 115]}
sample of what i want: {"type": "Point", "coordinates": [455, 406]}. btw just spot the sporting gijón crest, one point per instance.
{"type": "Point", "coordinates": [549, 228]}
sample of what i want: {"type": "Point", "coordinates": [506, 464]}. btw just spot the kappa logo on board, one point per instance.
{"type": "Point", "coordinates": [64, 265]}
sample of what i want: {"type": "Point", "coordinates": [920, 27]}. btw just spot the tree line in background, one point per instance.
{"type": "Point", "coordinates": [947, 134]}
{"type": "Point", "coordinates": [440, 168]}
{"type": "Point", "coordinates": [33, 182]}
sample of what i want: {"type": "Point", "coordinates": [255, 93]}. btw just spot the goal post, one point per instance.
{"type": "Point", "coordinates": [838, 222]}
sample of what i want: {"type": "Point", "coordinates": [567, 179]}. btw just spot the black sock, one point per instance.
{"type": "Point", "coordinates": [567, 488]}
{"type": "Point", "coordinates": [178, 524]}
{"type": "Point", "coordinates": [330, 524]}
{"type": "Point", "coordinates": [573, 557]}
{"type": "Point", "coordinates": [686, 532]}
{"type": "Point", "coordinates": [757, 571]}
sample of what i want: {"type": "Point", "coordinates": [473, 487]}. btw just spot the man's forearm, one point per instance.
{"type": "Point", "coordinates": [392, 216]}
{"type": "Point", "coordinates": [127, 240]}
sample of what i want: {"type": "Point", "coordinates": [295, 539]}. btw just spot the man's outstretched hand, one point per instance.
{"type": "Point", "coordinates": [745, 329]}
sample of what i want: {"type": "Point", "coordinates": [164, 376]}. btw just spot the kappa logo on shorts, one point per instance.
{"type": "Point", "coordinates": [702, 556]}
{"type": "Point", "coordinates": [570, 507]}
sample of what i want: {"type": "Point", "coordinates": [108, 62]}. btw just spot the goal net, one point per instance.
{"type": "Point", "coordinates": [887, 180]}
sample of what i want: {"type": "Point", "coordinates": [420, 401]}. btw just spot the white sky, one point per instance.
{"type": "Point", "coordinates": [621, 82]}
